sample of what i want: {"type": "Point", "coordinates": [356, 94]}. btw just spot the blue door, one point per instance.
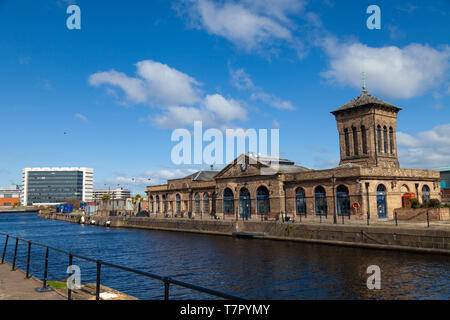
{"type": "Point", "coordinates": [381, 201]}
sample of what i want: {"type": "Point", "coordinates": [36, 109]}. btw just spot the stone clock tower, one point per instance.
{"type": "Point", "coordinates": [367, 132]}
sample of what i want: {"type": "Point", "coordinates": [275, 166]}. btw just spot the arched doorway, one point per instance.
{"type": "Point", "coordinates": [320, 200]}
{"type": "Point", "coordinates": [178, 203]}
{"type": "Point", "coordinates": [157, 204]}
{"type": "Point", "coordinates": [343, 201]}
{"type": "Point", "coordinates": [228, 201]}
{"type": "Point", "coordinates": [300, 201]}
{"type": "Point", "coordinates": [425, 194]}
{"type": "Point", "coordinates": [381, 201]}
{"type": "Point", "coordinates": [197, 203]}
{"type": "Point", "coordinates": [213, 204]}
{"type": "Point", "coordinates": [205, 203]}
{"type": "Point", "coordinates": [244, 204]}
{"type": "Point", "coordinates": [263, 201]}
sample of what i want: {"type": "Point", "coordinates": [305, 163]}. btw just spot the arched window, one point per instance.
{"type": "Point", "coordinates": [347, 143]}
{"type": "Point", "coordinates": [178, 203]}
{"type": "Point", "coordinates": [263, 201]}
{"type": "Point", "coordinates": [244, 203]}
{"type": "Point", "coordinates": [157, 204]}
{"type": "Point", "coordinates": [385, 138]}
{"type": "Point", "coordinates": [425, 194]}
{"type": "Point", "coordinates": [343, 201]}
{"type": "Point", "coordinates": [164, 202]}
{"type": "Point", "coordinates": [320, 200]}
{"type": "Point", "coordinates": [364, 139]}
{"type": "Point", "coordinates": [205, 203]}
{"type": "Point", "coordinates": [213, 203]}
{"type": "Point", "coordinates": [379, 138]}
{"type": "Point", "coordinates": [300, 201]}
{"type": "Point", "coordinates": [228, 201]}
{"type": "Point", "coordinates": [381, 201]}
{"type": "Point", "coordinates": [151, 204]}
{"type": "Point", "coordinates": [391, 139]}
{"type": "Point", "coordinates": [355, 141]}
{"type": "Point", "coordinates": [197, 203]}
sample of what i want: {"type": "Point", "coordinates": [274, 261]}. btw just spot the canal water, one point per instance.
{"type": "Point", "coordinates": [253, 269]}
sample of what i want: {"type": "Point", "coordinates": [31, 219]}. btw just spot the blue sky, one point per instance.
{"type": "Point", "coordinates": [139, 69]}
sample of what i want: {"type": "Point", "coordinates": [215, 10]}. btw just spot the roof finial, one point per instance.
{"type": "Point", "coordinates": [364, 82]}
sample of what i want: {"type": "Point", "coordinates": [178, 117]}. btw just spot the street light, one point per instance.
{"type": "Point", "coordinates": [333, 180]}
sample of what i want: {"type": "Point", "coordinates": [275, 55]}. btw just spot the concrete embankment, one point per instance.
{"type": "Point", "coordinates": [422, 240]}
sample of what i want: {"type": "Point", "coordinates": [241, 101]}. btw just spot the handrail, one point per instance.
{"type": "Point", "coordinates": [166, 280]}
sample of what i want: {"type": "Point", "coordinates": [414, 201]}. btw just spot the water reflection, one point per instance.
{"type": "Point", "coordinates": [255, 269]}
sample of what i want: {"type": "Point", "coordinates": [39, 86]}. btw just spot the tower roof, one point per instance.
{"type": "Point", "coordinates": [362, 100]}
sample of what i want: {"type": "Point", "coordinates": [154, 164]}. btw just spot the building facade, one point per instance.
{"type": "Point", "coordinates": [118, 193]}
{"type": "Point", "coordinates": [10, 196]}
{"type": "Point", "coordinates": [445, 184]}
{"type": "Point", "coordinates": [367, 182]}
{"type": "Point", "coordinates": [46, 186]}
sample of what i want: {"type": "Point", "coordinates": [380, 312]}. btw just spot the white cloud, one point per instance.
{"type": "Point", "coordinates": [247, 24]}
{"type": "Point", "coordinates": [216, 111]}
{"type": "Point", "coordinates": [133, 88]}
{"type": "Point", "coordinates": [392, 71]}
{"type": "Point", "coordinates": [81, 117]}
{"type": "Point", "coordinates": [430, 149]}
{"type": "Point", "coordinates": [242, 80]}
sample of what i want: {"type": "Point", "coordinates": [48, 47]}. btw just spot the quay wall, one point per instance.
{"type": "Point", "coordinates": [413, 239]}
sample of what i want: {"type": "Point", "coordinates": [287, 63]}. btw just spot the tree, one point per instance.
{"type": "Point", "coordinates": [106, 197]}
{"type": "Point", "coordinates": [75, 202]}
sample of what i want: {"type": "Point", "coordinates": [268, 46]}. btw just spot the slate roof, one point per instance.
{"type": "Point", "coordinates": [362, 100]}
{"type": "Point", "coordinates": [284, 165]}
{"type": "Point", "coordinates": [202, 175]}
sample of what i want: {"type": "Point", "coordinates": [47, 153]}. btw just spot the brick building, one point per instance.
{"type": "Point", "coordinates": [368, 180]}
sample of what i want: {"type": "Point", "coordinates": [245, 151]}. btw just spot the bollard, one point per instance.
{"type": "Point", "coordinates": [69, 291]}
{"type": "Point", "coordinates": [28, 260]}
{"type": "Point", "coordinates": [428, 219]}
{"type": "Point", "coordinates": [166, 288]}
{"type": "Point", "coordinates": [4, 249]}
{"type": "Point", "coordinates": [395, 217]}
{"type": "Point", "coordinates": [300, 218]}
{"type": "Point", "coordinates": [97, 290]}
{"type": "Point", "coordinates": [15, 255]}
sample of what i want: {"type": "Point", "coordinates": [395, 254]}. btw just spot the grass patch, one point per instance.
{"type": "Point", "coordinates": [57, 284]}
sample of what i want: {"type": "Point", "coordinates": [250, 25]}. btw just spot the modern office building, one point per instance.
{"type": "Point", "coordinates": [42, 186]}
{"type": "Point", "coordinates": [10, 196]}
{"type": "Point", "coordinates": [116, 194]}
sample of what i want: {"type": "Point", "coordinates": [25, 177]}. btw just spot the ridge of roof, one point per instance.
{"type": "Point", "coordinates": [362, 100]}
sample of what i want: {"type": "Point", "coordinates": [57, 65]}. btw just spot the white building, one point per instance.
{"type": "Point", "coordinates": [115, 194]}
{"type": "Point", "coordinates": [43, 186]}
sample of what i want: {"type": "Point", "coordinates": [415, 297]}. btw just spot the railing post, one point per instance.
{"type": "Point", "coordinates": [15, 255]}
{"type": "Point", "coordinates": [428, 219]}
{"type": "Point", "coordinates": [395, 217]}
{"type": "Point", "coordinates": [320, 216]}
{"type": "Point", "coordinates": [368, 218]}
{"type": "Point", "coordinates": [46, 268]}
{"type": "Point", "coordinates": [343, 220]}
{"type": "Point", "coordinates": [28, 260]}
{"type": "Point", "coordinates": [166, 288]}
{"type": "Point", "coordinates": [69, 291]}
{"type": "Point", "coordinates": [4, 249]}
{"type": "Point", "coordinates": [97, 290]}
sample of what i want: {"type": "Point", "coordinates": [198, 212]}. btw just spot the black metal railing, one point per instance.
{"type": "Point", "coordinates": [167, 281]}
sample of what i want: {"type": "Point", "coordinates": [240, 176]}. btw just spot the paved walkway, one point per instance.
{"type": "Point", "coordinates": [14, 286]}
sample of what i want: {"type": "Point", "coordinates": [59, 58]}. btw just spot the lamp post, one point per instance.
{"type": "Point", "coordinates": [333, 180]}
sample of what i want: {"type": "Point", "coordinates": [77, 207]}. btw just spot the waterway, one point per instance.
{"type": "Point", "coordinates": [253, 269]}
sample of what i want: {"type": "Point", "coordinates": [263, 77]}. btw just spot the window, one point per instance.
{"type": "Point", "coordinates": [151, 204]}
{"type": "Point", "coordinates": [381, 201]}
{"type": "Point", "coordinates": [205, 203]}
{"type": "Point", "coordinates": [391, 139]}
{"type": "Point", "coordinates": [355, 141]}
{"type": "Point", "coordinates": [178, 203]}
{"type": "Point", "coordinates": [197, 203]}
{"type": "Point", "coordinates": [320, 199]}
{"type": "Point", "coordinates": [343, 201]}
{"type": "Point", "coordinates": [228, 201]}
{"type": "Point", "coordinates": [263, 201]}
{"type": "Point", "coordinates": [300, 201]}
{"type": "Point", "coordinates": [164, 203]}
{"type": "Point", "coordinates": [213, 203]}
{"type": "Point", "coordinates": [425, 194]}
{"type": "Point", "coordinates": [244, 204]}
{"type": "Point", "coordinates": [157, 204]}
{"type": "Point", "coordinates": [347, 143]}
{"type": "Point", "coordinates": [385, 140]}
{"type": "Point", "coordinates": [379, 138]}
{"type": "Point", "coordinates": [364, 139]}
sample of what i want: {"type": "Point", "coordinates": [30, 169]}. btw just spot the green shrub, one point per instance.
{"type": "Point", "coordinates": [435, 203]}
{"type": "Point", "coordinates": [414, 203]}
